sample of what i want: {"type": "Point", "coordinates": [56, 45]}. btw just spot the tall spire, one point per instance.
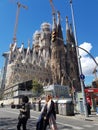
{"type": "Point", "coordinates": [28, 43]}
{"type": "Point", "coordinates": [60, 34]}
{"type": "Point", "coordinates": [71, 33]}
{"type": "Point", "coordinates": [58, 14]}
{"type": "Point", "coordinates": [28, 53]}
{"type": "Point", "coordinates": [54, 25]}
{"type": "Point", "coordinates": [67, 24]}
{"type": "Point", "coordinates": [22, 48]}
{"type": "Point", "coordinates": [68, 36]}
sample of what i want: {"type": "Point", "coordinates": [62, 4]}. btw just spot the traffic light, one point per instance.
{"type": "Point", "coordinates": [53, 36]}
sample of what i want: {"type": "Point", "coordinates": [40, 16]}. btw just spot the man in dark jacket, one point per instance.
{"type": "Point", "coordinates": [24, 113]}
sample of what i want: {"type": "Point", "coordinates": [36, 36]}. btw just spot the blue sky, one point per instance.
{"type": "Point", "coordinates": [39, 11]}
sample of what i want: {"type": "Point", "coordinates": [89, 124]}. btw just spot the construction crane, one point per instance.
{"type": "Point", "coordinates": [95, 72]}
{"type": "Point", "coordinates": [19, 5]}
{"type": "Point", "coordinates": [53, 9]}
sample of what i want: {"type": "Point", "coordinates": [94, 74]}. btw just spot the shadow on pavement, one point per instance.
{"type": "Point", "coordinates": [11, 124]}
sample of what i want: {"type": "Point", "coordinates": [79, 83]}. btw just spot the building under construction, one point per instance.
{"type": "Point", "coordinates": [50, 60]}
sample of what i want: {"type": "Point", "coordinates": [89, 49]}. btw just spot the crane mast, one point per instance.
{"type": "Point", "coordinates": [95, 72]}
{"type": "Point", "coordinates": [53, 8]}
{"type": "Point", "coordinates": [19, 5]}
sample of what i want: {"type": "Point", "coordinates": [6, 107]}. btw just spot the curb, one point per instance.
{"type": "Point", "coordinates": [81, 117]}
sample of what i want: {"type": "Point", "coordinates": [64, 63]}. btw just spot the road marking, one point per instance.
{"type": "Point", "coordinates": [74, 127]}
{"type": "Point", "coordinates": [65, 129]}
{"type": "Point", "coordinates": [11, 128]}
{"type": "Point", "coordinates": [95, 124]}
{"type": "Point", "coordinates": [11, 111]}
{"type": "Point", "coordinates": [88, 126]}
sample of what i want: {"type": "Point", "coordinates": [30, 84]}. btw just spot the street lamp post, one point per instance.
{"type": "Point", "coordinates": [79, 63]}
{"type": "Point", "coordinates": [89, 55]}
{"type": "Point", "coordinates": [82, 77]}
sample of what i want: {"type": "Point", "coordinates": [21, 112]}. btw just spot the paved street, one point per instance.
{"type": "Point", "coordinates": [8, 121]}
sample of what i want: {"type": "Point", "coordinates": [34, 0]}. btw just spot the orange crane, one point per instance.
{"type": "Point", "coordinates": [53, 9]}
{"type": "Point", "coordinates": [19, 5]}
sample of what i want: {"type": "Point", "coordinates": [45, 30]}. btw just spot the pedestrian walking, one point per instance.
{"type": "Point", "coordinates": [51, 113]}
{"type": "Point", "coordinates": [41, 123]}
{"type": "Point", "coordinates": [2, 104]}
{"type": "Point", "coordinates": [47, 116]}
{"type": "Point", "coordinates": [24, 114]}
{"type": "Point", "coordinates": [88, 108]}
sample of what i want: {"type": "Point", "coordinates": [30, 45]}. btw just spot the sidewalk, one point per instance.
{"type": "Point", "coordinates": [78, 116]}
{"type": "Point", "coordinates": [92, 117]}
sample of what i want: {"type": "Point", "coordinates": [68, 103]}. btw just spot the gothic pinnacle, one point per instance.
{"type": "Point", "coordinates": [58, 14]}
{"type": "Point", "coordinates": [67, 24]}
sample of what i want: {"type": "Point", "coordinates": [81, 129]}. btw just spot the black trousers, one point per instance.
{"type": "Point", "coordinates": [22, 122]}
{"type": "Point", "coordinates": [41, 125]}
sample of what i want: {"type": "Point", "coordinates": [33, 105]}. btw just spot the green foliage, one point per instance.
{"type": "Point", "coordinates": [37, 87]}
{"type": "Point", "coordinates": [1, 94]}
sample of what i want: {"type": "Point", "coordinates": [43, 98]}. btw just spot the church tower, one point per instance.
{"type": "Point", "coordinates": [58, 52]}
{"type": "Point", "coordinates": [72, 63]}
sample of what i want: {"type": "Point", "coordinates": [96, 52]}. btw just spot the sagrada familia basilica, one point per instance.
{"type": "Point", "coordinates": [46, 61]}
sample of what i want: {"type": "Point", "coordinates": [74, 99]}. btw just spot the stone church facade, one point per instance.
{"type": "Point", "coordinates": [46, 61]}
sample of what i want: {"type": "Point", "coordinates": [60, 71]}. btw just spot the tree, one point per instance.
{"type": "Point", "coordinates": [37, 88]}
{"type": "Point", "coordinates": [1, 93]}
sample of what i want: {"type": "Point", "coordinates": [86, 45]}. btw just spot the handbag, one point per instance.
{"type": "Point", "coordinates": [21, 116]}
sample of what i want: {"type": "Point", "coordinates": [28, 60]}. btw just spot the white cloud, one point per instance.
{"type": "Point", "coordinates": [87, 62]}
{"type": "Point", "coordinates": [96, 58]}
{"type": "Point", "coordinates": [86, 46]}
